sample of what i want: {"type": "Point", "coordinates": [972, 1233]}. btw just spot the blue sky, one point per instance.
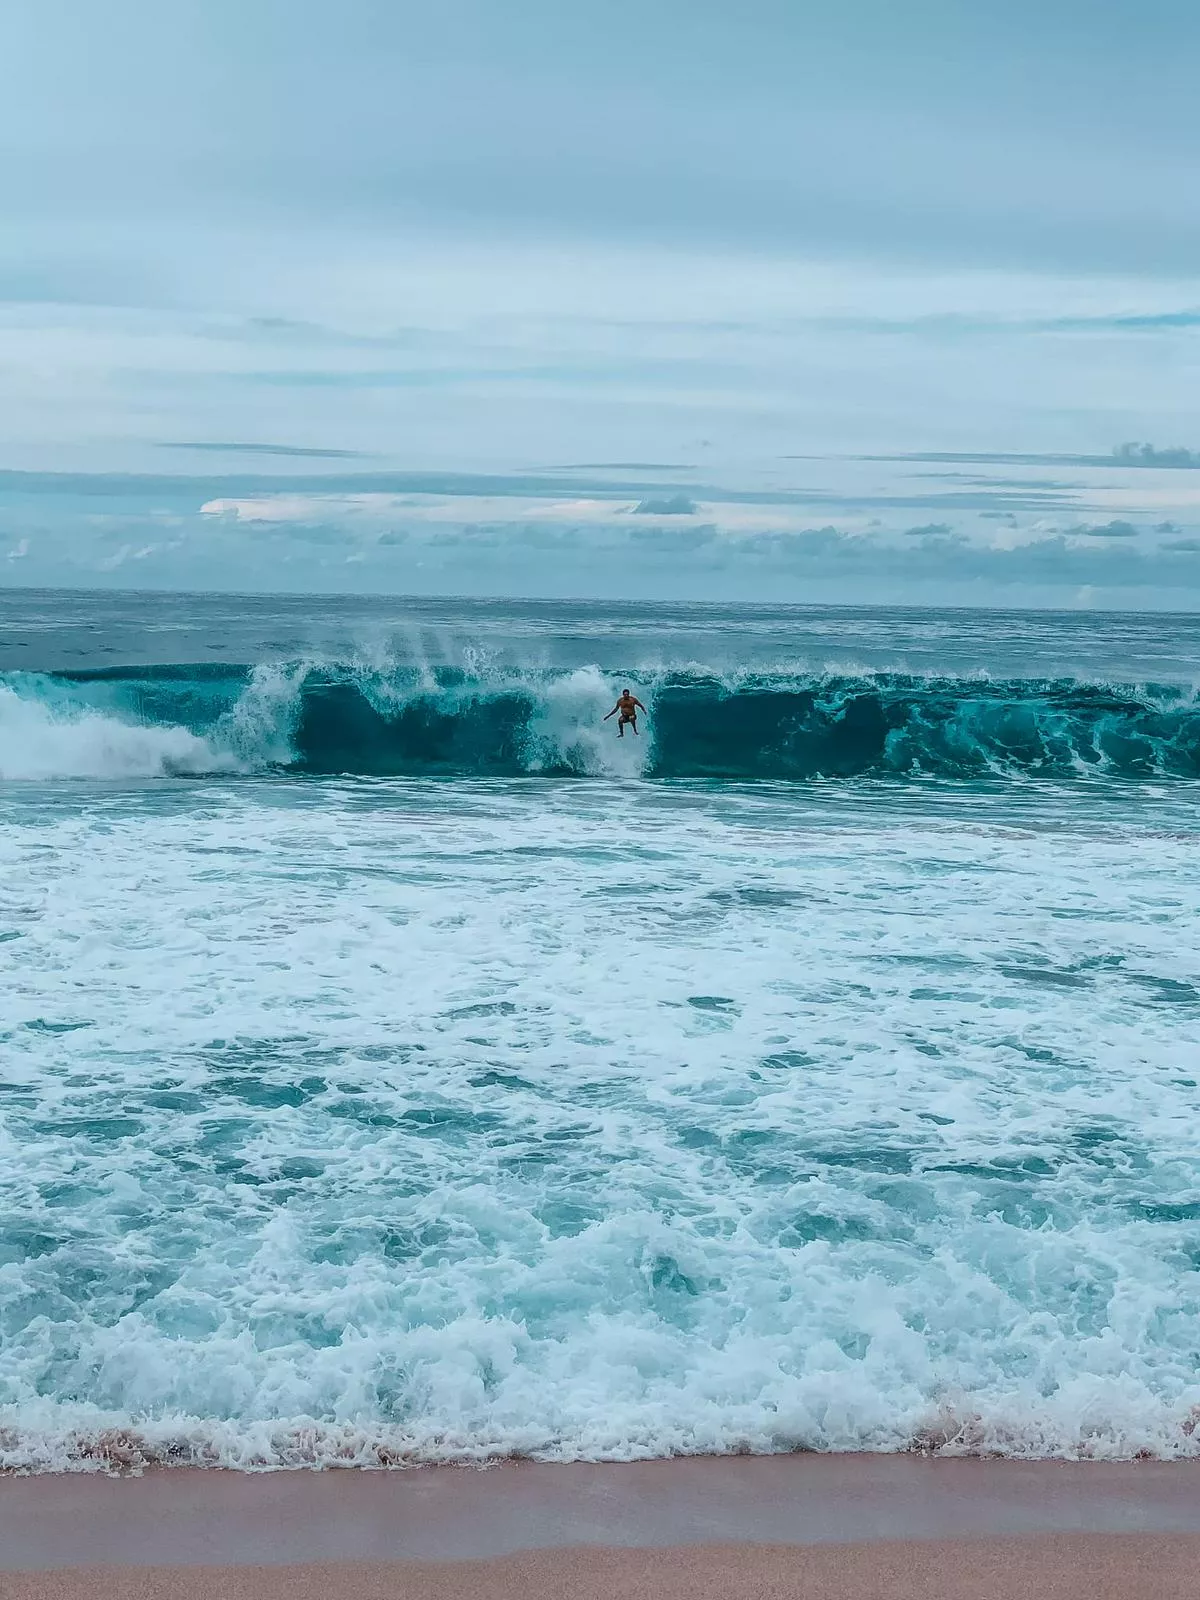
{"type": "Point", "coordinates": [515, 240]}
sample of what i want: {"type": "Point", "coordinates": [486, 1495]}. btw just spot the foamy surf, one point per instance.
{"type": "Point", "coordinates": [81, 1440]}
{"type": "Point", "coordinates": [481, 1112]}
{"type": "Point", "coordinates": [43, 738]}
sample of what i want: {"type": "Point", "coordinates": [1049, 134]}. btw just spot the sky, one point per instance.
{"type": "Point", "coordinates": [539, 298]}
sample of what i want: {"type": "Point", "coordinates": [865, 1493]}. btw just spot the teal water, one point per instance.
{"type": "Point", "coordinates": [597, 1106]}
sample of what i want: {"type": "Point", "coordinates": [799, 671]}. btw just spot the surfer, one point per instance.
{"type": "Point", "coordinates": [628, 705]}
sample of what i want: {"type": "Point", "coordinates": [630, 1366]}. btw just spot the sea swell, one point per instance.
{"type": "Point", "coordinates": [320, 718]}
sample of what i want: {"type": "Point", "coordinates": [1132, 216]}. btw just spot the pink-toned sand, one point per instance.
{"type": "Point", "coordinates": [1069, 1567]}
{"type": "Point", "coordinates": [816, 1528]}
{"type": "Point", "coordinates": [1065, 1567]}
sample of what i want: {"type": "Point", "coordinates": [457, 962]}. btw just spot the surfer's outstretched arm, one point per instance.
{"type": "Point", "coordinates": [612, 713]}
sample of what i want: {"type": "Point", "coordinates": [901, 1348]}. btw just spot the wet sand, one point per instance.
{"type": "Point", "coordinates": [804, 1526]}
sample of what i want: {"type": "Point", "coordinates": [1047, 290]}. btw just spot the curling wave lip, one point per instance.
{"type": "Point", "coordinates": [325, 718]}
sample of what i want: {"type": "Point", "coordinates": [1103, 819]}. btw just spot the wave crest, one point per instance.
{"type": "Point", "coordinates": [386, 721]}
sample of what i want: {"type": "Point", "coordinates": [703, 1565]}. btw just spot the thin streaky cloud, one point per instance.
{"type": "Point", "coordinates": [312, 452]}
{"type": "Point", "coordinates": [1171, 459]}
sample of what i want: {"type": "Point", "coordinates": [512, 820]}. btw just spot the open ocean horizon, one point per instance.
{"type": "Point", "coordinates": [396, 1066]}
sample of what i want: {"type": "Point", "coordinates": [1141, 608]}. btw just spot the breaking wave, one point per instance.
{"type": "Point", "coordinates": [318, 718]}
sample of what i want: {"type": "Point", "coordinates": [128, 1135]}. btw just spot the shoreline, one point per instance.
{"type": "Point", "coordinates": [205, 1518]}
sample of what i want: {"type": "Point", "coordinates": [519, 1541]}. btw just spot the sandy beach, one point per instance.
{"type": "Point", "coordinates": [1067, 1568]}
{"type": "Point", "coordinates": [805, 1526]}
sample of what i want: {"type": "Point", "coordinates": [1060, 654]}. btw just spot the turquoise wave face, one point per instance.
{"type": "Point", "coordinates": [323, 719]}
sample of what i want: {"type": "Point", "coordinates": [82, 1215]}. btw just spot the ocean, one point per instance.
{"type": "Point", "coordinates": [396, 1066]}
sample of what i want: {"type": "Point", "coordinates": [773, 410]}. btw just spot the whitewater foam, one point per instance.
{"type": "Point", "coordinates": [567, 728]}
{"type": "Point", "coordinates": [48, 729]}
{"type": "Point", "coordinates": [388, 1097]}
{"type": "Point", "coordinates": [48, 737]}
{"type": "Point", "coordinates": [407, 1121]}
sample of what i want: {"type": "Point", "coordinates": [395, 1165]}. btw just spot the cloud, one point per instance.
{"type": "Point", "coordinates": [1138, 457]}
{"type": "Point", "coordinates": [685, 540]}
{"type": "Point", "coordinates": [939, 325]}
{"type": "Point", "coordinates": [262, 450]}
{"type": "Point", "coordinates": [1104, 530]}
{"type": "Point", "coordinates": [1147, 455]}
{"type": "Point", "coordinates": [265, 508]}
{"type": "Point", "coordinates": [1133, 322]}
{"type": "Point", "coordinates": [676, 505]}
{"type": "Point", "coordinates": [628, 466]}
{"type": "Point", "coordinates": [436, 533]}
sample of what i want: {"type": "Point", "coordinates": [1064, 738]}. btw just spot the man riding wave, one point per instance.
{"type": "Point", "coordinates": [628, 706]}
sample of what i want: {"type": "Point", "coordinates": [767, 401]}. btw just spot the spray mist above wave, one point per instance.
{"type": "Point", "coordinates": [385, 720]}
